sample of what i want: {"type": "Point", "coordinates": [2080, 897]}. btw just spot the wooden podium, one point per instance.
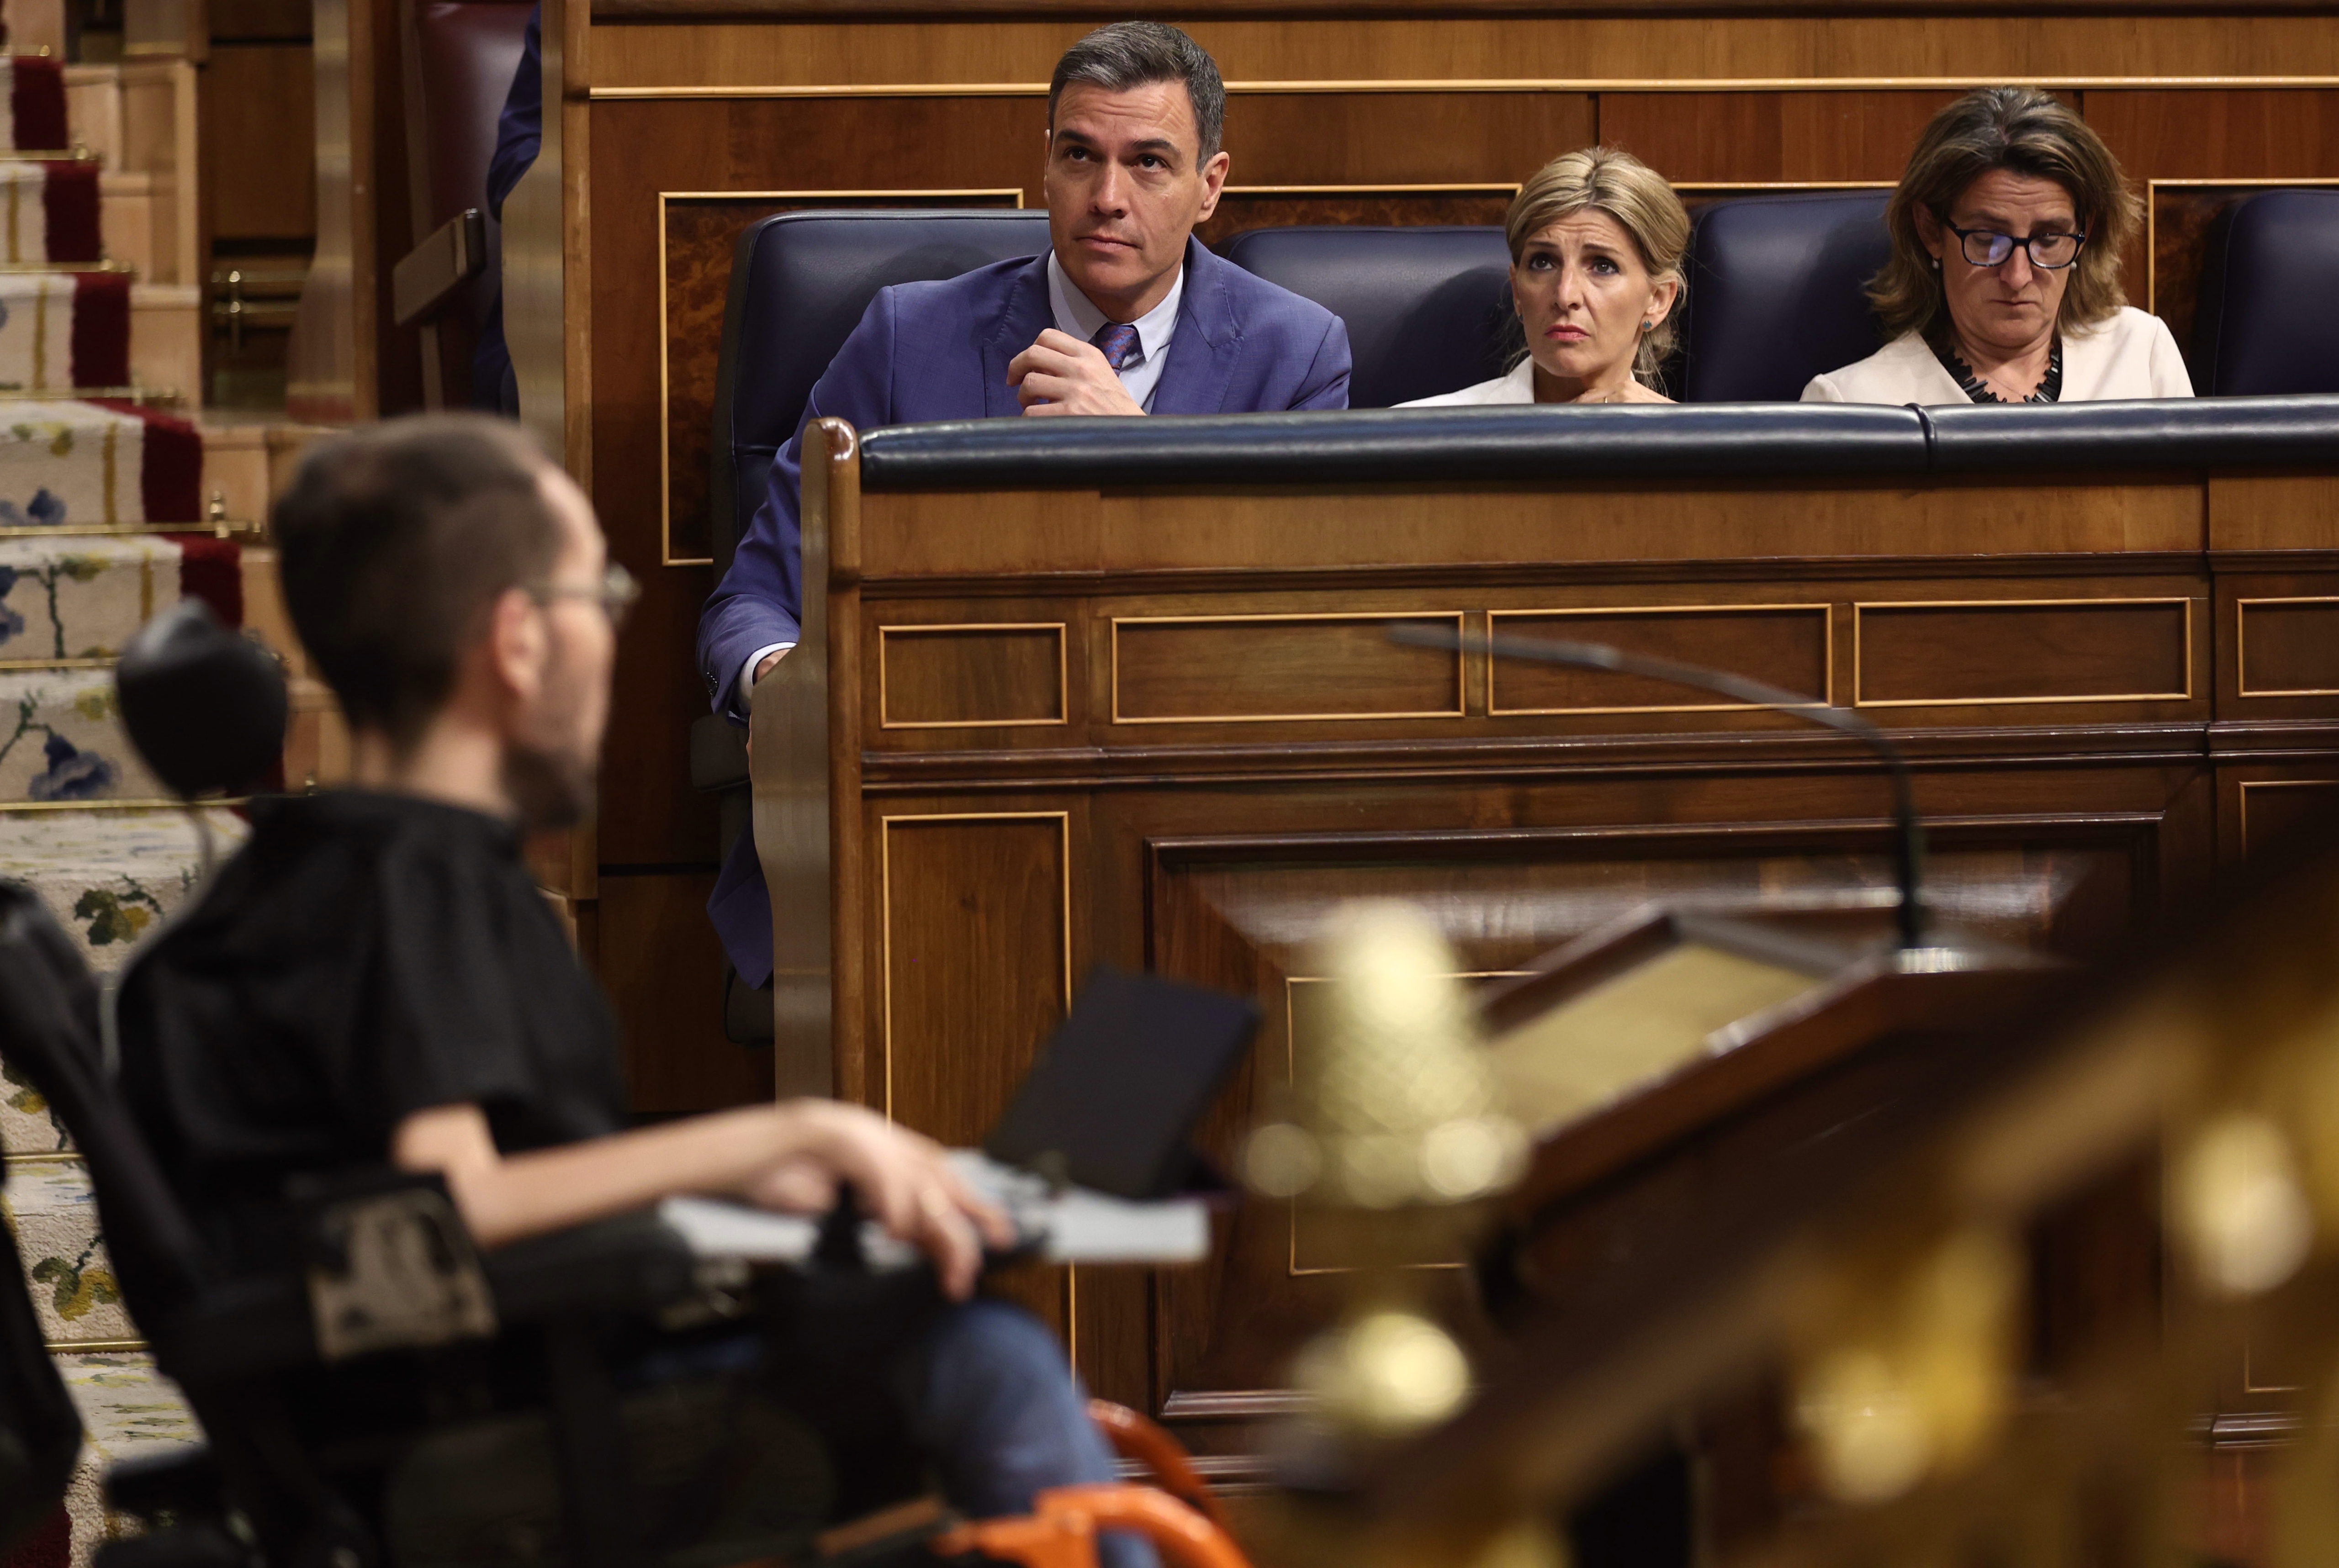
{"type": "Point", "coordinates": [1161, 725]}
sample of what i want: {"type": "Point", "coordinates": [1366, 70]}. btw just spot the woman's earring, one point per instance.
{"type": "Point", "coordinates": [1648, 326]}
{"type": "Point", "coordinates": [1937, 264]}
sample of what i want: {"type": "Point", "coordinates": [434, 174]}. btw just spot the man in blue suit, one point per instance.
{"type": "Point", "coordinates": [1127, 314]}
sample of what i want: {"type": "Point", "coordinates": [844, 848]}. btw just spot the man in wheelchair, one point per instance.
{"type": "Point", "coordinates": [375, 982]}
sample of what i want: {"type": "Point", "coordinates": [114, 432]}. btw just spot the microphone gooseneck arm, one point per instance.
{"type": "Point", "coordinates": [1909, 832]}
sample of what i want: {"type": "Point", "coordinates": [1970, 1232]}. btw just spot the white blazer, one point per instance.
{"type": "Point", "coordinates": [2131, 355]}
{"type": "Point", "coordinates": [1518, 387]}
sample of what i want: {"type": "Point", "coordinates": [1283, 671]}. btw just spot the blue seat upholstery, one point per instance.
{"type": "Point", "coordinates": [2264, 326]}
{"type": "Point", "coordinates": [1775, 292]}
{"type": "Point", "coordinates": [799, 285]}
{"type": "Point", "coordinates": [1428, 309]}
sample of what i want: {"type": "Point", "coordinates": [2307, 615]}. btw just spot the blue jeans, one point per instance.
{"type": "Point", "coordinates": [993, 1409]}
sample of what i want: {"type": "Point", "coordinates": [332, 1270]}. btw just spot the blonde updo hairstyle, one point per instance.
{"type": "Point", "coordinates": [2024, 131]}
{"type": "Point", "coordinates": [1611, 180]}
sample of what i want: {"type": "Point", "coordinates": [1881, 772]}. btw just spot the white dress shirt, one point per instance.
{"type": "Point", "coordinates": [1140, 378]}
{"type": "Point", "coordinates": [2131, 355]}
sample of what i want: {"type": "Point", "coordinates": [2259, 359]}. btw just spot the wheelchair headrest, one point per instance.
{"type": "Point", "coordinates": [205, 706]}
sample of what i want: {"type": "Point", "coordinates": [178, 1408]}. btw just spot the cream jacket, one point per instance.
{"type": "Point", "coordinates": [2130, 356]}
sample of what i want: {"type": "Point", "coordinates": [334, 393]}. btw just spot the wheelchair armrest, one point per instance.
{"type": "Point", "coordinates": [261, 1325]}
{"type": "Point", "coordinates": [632, 1263]}
{"type": "Point", "coordinates": [718, 753]}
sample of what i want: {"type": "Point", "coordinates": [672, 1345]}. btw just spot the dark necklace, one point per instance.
{"type": "Point", "coordinates": [2050, 385]}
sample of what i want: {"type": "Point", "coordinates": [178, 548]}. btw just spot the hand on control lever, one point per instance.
{"type": "Point", "coordinates": [904, 1181]}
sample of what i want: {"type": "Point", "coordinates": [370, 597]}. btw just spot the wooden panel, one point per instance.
{"type": "Point", "coordinates": [1962, 44]}
{"type": "Point", "coordinates": [260, 142]}
{"type": "Point", "coordinates": [2288, 647]}
{"type": "Point", "coordinates": [659, 961]}
{"type": "Point", "coordinates": [1415, 138]}
{"type": "Point", "coordinates": [1238, 914]}
{"type": "Point", "coordinates": [698, 232]}
{"type": "Point", "coordinates": [1235, 669]}
{"type": "Point", "coordinates": [974, 905]}
{"type": "Point", "coordinates": [922, 534]}
{"type": "Point", "coordinates": [1786, 644]}
{"type": "Point", "coordinates": [2232, 133]}
{"type": "Point", "coordinates": [2275, 809]}
{"type": "Point", "coordinates": [2039, 651]}
{"type": "Point", "coordinates": [932, 677]}
{"type": "Point", "coordinates": [1369, 206]}
{"type": "Point", "coordinates": [1768, 136]}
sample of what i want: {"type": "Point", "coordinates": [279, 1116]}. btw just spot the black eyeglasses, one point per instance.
{"type": "Point", "coordinates": [615, 592]}
{"type": "Point", "coordinates": [1989, 247]}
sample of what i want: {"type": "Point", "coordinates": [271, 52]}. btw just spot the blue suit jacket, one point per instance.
{"type": "Point", "coordinates": [928, 351]}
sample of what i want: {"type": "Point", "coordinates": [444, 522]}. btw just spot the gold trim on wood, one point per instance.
{"type": "Point", "coordinates": [1479, 84]}
{"type": "Point", "coordinates": [1827, 631]}
{"type": "Point", "coordinates": [97, 1346]}
{"type": "Point", "coordinates": [2152, 189]}
{"type": "Point", "coordinates": [2242, 647]}
{"type": "Point", "coordinates": [666, 464]}
{"type": "Point", "coordinates": [885, 911]}
{"type": "Point", "coordinates": [19, 808]}
{"type": "Point", "coordinates": [1064, 682]}
{"type": "Point", "coordinates": [1859, 701]}
{"type": "Point", "coordinates": [2249, 785]}
{"type": "Point", "coordinates": [1459, 709]}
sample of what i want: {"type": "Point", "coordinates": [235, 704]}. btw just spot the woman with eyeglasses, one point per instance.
{"type": "Point", "coordinates": [2004, 283]}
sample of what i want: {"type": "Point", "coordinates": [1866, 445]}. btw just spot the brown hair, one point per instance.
{"type": "Point", "coordinates": [2027, 131]}
{"type": "Point", "coordinates": [392, 542]}
{"type": "Point", "coordinates": [1611, 180]}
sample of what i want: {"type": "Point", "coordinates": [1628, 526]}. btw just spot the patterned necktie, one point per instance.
{"type": "Point", "coordinates": [1118, 340]}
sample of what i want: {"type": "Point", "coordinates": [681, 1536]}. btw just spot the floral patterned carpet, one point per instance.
{"type": "Point", "coordinates": [97, 502]}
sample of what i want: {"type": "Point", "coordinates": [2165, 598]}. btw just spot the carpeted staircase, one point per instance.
{"type": "Point", "coordinates": [112, 507]}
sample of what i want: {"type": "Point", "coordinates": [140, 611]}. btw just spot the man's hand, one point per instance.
{"type": "Point", "coordinates": [1058, 374]}
{"type": "Point", "coordinates": [769, 662]}
{"type": "Point", "coordinates": [904, 1180]}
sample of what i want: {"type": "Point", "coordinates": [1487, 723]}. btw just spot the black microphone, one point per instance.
{"type": "Point", "coordinates": [1908, 832]}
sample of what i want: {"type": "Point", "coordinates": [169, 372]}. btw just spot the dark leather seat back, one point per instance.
{"type": "Point", "coordinates": [460, 56]}
{"type": "Point", "coordinates": [2264, 325]}
{"type": "Point", "coordinates": [799, 285]}
{"type": "Point", "coordinates": [1775, 292]}
{"type": "Point", "coordinates": [1428, 309]}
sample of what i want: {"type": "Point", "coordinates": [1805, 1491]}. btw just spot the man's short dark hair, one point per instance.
{"type": "Point", "coordinates": [393, 541]}
{"type": "Point", "coordinates": [1125, 55]}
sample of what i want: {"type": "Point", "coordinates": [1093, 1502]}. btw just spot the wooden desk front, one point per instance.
{"type": "Point", "coordinates": [1163, 728]}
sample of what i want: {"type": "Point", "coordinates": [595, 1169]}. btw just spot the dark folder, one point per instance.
{"type": "Point", "coordinates": [1120, 1086]}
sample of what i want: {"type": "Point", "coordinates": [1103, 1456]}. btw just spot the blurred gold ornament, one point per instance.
{"type": "Point", "coordinates": [2239, 1207]}
{"type": "Point", "coordinates": [1400, 1107]}
{"type": "Point", "coordinates": [1384, 1373]}
{"type": "Point", "coordinates": [1915, 1375]}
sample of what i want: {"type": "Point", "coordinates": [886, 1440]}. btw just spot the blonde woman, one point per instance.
{"type": "Point", "coordinates": [2004, 283]}
{"type": "Point", "coordinates": [1596, 240]}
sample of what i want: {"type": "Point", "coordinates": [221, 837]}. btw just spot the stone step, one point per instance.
{"type": "Point", "coordinates": [248, 463]}
{"type": "Point", "coordinates": [166, 339]}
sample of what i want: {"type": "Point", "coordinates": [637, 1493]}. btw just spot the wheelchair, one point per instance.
{"type": "Point", "coordinates": [490, 1427]}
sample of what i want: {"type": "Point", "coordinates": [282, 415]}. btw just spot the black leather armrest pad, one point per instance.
{"type": "Point", "coordinates": [256, 1327]}
{"type": "Point", "coordinates": [629, 1264]}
